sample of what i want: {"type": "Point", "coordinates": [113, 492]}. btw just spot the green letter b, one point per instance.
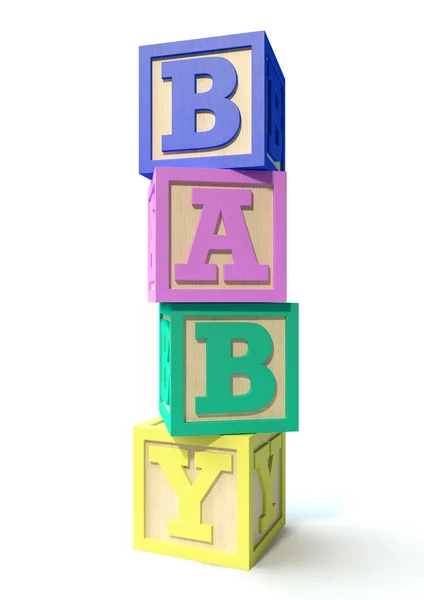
{"type": "Point", "coordinates": [221, 366]}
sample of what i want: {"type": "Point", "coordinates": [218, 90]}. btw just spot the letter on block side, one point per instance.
{"type": "Point", "coordinates": [228, 368]}
{"type": "Point", "coordinates": [217, 235]}
{"type": "Point", "coordinates": [219, 500]}
{"type": "Point", "coordinates": [215, 102]}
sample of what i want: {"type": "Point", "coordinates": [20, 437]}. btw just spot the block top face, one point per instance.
{"type": "Point", "coordinates": [156, 429]}
{"type": "Point", "coordinates": [217, 235]}
{"type": "Point", "coordinates": [215, 102]}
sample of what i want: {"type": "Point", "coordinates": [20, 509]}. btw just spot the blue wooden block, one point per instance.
{"type": "Point", "coordinates": [216, 102]}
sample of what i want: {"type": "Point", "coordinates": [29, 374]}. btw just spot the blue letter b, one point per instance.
{"type": "Point", "coordinates": [186, 103]}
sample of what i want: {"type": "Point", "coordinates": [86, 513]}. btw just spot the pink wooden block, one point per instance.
{"type": "Point", "coordinates": [217, 235]}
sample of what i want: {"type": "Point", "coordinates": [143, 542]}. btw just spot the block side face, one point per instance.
{"type": "Point", "coordinates": [161, 232]}
{"type": "Point", "coordinates": [259, 103]}
{"type": "Point", "coordinates": [269, 504]}
{"type": "Point", "coordinates": [275, 110]}
{"type": "Point", "coordinates": [187, 121]}
{"type": "Point", "coordinates": [178, 379]}
{"type": "Point", "coordinates": [151, 267]}
{"type": "Point", "coordinates": [292, 368]}
{"type": "Point", "coordinates": [138, 488]}
{"type": "Point", "coordinates": [145, 107]}
{"type": "Point", "coordinates": [268, 476]}
{"type": "Point", "coordinates": [165, 370]}
{"type": "Point", "coordinates": [164, 362]}
{"type": "Point", "coordinates": [280, 235]}
{"type": "Point", "coordinates": [214, 241]}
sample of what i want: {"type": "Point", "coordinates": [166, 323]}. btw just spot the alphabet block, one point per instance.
{"type": "Point", "coordinates": [215, 102]}
{"type": "Point", "coordinates": [217, 235]}
{"type": "Point", "coordinates": [228, 368]}
{"type": "Point", "coordinates": [219, 500]}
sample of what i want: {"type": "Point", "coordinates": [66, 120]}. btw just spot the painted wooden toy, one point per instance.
{"type": "Point", "coordinates": [217, 235]}
{"type": "Point", "coordinates": [228, 368]}
{"type": "Point", "coordinates": [209, 474]}
{"type": "Point", "coordinates": [218, 500]}
{"type": "Point", "coordinates": [216, 102]}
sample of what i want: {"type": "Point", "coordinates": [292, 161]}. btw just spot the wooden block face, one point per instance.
{"type": "Point", "coordinates": [215, 102]}
{"type": "Point", "coordinates": [217, 236]}
{"type": "Point", "coordinates": [218, 508]}
{"type": "Point", "coordinates": [241, 143]}
{"type": "Point", "coordinates": [192, 496]}
{"type": "Point", "coordinates": [233, 368]}
{"type": "Point", "coordinates": [185, 218]}
{"type": "Point", "coordinates": [196, 358]}
{"type": "Point", "coordinates": [268, 487]}
{"type": "Point", "coordinates": [214, 499]}
{"type": "Point", "coordinates": [151, 268]}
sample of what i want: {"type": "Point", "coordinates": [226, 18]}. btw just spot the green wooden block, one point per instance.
{"type": "Point", "coordinates": [229, 368]}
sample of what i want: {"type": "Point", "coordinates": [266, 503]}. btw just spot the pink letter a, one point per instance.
{"type": "Point", "coordinates": [227, 203]}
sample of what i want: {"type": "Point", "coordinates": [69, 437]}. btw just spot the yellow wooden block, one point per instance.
{"type": "Point", "coordinates": [219, 500]}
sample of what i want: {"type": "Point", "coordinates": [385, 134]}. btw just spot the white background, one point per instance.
{"type": "Point", "coordinates": [79, 340]}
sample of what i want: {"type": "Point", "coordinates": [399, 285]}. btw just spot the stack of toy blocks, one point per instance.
{"type": "Point", "coordinates": [209, 474]}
